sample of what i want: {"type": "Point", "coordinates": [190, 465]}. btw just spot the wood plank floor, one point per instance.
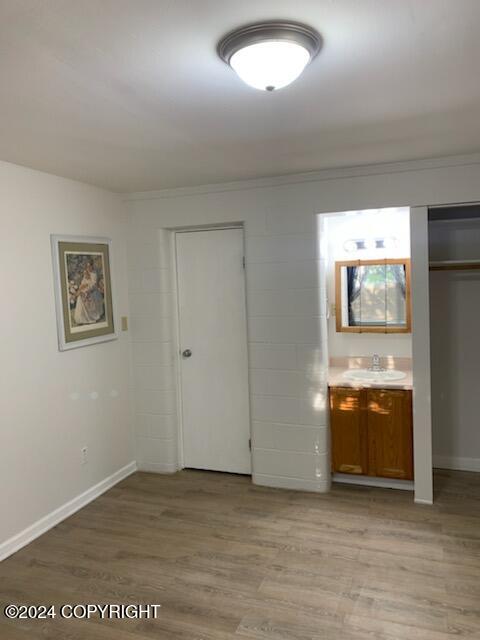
{"type": "Point", "coordinates": [228, 560]}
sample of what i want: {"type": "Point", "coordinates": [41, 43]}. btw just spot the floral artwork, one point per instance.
{"type": "Point", "coordinates": [85, 292]}
{"type": "Point", "coordinates": [86, 288]}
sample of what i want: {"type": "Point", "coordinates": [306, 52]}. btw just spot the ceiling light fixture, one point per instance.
{"type": "Point", "coordinates": [270, 55]}
{"type": "Point", "coordinates": [374, 243]}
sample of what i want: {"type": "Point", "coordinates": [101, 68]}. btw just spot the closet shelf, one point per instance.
{"type": "Point", "coordinates": [454, 265]}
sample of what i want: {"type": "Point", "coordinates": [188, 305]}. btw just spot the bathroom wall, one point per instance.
{"type": "Point", "coordinates": [455, 345]}
{"type": "Point", "coordinates": [376, 223]}
{"type": "Point", "coordinates": [53, 403]}
{"type": "Point", "coordinates": [287, 368]}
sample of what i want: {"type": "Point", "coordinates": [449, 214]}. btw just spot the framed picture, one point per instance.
{"type": "Point", "coordinates": [83, 290]}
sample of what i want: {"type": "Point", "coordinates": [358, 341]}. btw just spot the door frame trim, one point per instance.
{"type": "Point", "coordinates": [176, 329]}
{"type": "Point", "coordinates": [176, 347]}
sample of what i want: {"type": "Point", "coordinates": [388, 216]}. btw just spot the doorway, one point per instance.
{"type": "Point", "coordinates": [213, 353]}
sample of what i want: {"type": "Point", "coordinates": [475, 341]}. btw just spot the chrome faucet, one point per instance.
{"type": "Point", "coordinates": [376, 366]}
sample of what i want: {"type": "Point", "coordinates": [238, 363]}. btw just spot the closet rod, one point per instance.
{"type": "Point", "coordinates": [454, 265]}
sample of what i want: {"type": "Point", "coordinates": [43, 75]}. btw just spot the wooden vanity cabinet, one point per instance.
{"type": "Point", "coordinates": [348, 421]}
{"type": "Point", "coordinates": [390, 446]}
{"type": "Point", "coordinates": [371, 432]}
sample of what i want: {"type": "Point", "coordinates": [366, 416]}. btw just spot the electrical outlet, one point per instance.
{"type": "Point", "coordinates": [84, 455]}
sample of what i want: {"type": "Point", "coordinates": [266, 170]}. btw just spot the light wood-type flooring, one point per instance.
{"type": "Point", "coordinates": [231, 561]}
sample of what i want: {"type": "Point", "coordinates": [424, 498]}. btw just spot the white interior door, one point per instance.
{"type": "Point", "coordinates": [213, 344]}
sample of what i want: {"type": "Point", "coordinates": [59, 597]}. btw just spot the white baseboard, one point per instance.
{"type": "Point", "coordinates": [456, 463]}
{"type": "Point", "coordinates": [157, 467]}
{"type": "Point", "coordinates": [299, 484]}
{"type": "Point", "coordinates": [35, 530]}
{"type": "Point", "coordinates": [422, 501]}
{"type": "Point", "coordinates": [370, 481]}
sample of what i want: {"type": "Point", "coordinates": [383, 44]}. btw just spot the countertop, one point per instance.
{"type": "Point", "coordinates": [336, 379]}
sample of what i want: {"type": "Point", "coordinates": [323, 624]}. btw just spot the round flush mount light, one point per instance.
{"type": "Point", "coordinates": [270, 55]}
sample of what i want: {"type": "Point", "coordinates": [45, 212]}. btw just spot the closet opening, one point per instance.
{"type": "Point", "coordinates": [454, 264]}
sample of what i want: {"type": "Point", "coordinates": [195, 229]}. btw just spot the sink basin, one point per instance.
{"type": "Point", "coordinates": [365, 375]}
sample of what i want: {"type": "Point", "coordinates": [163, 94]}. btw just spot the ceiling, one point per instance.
{"type": "Point", "coordinates": [130, 95]}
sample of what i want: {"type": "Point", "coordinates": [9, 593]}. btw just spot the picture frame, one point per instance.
{"type": "Point", "coordinates": [84, 300]}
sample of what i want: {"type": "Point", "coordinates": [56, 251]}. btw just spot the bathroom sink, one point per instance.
{"type": "Point", "coordinates": [365, 375]}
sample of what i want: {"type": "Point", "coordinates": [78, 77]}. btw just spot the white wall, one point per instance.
{"type": "Point", "coordinates": [455, 346]}
{"type": "Point", "coordinates": [367, 225]}
{"type": "Point", "coordinates": [43, 423]}
{"type": "Point", "coordinates": [422, 416]}
{"type": "Point", "coordinates": [150, 281]}
{"type": "Point", "coordinates": [287, 375]}
{"type": "Point", "coordinates": [287, 403]}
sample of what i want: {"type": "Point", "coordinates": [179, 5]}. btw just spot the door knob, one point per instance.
{"type": "Point", "coordinates": [187, 353]}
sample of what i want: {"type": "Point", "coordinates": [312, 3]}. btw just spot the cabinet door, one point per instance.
{"type": "Point", "coordinates": [390, 447]}
{"type": "Point", "coordinates": [348, 429]}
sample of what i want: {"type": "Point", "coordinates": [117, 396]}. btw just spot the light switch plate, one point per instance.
{"type": "Point", "coordinates": [124, 323]}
